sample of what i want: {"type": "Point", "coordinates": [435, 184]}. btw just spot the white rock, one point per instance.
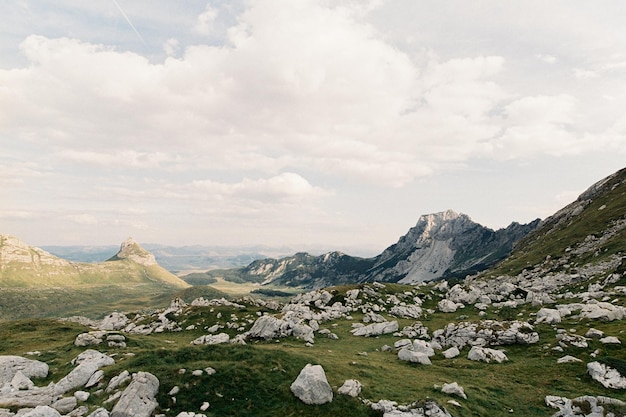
{"type": "Point", "coordinates": [205, 406]}
{"type": "Point", "coordinates": [446, 306]}
{"type": "Point", "coordinates": [99, 412]}
{"type": "Point", "coordinates": [82, 395]}
{"type": "Point", "coordinates": [138, 399]}
{"type": "Point", "coordinates": [594, 333]}
{"type": "Point", "coordinates": [311, 386]}
{"type": "Point", "coordinates": [376, 329]}
{"type": "Point", "coordinates": [42, 411]}
{"type": "Point", "coordinates": [487, 355]}
{"type": "Point", "coordinates": [606, 375]}
{"type": "Point", "coordinates": [21, 382]}
{"type": "Point", "coordinates": [65, 404]}
{"type": "Point", "coordinates": [10, 365]}
{"type": "Point", "coordinates": [175, 390]}
{"type": "Point", "coordinates": [610, 340]}
{"type": "Point", "coordinates": [88, 363]}
{"type": "Point", "coordinates": [212, 339]}
{"type": "Point", "coordinates": [453, 352]}
{"type": "Point", "coordinates": [413, 356]}
{"type": "Point", "coordinates": [548, 315]}
{"type": "Point", "coordinates": [350, 387]}
{"type": "Point", "coordinates": [454, 389]}
{"type": "Point", "coordinates": [567, 359]}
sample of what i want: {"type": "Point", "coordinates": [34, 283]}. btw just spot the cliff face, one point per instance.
{"type": "Point", "coordinates": [443, 245]}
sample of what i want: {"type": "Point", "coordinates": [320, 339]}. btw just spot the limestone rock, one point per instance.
{"type": "Point", "coordinates": [567, 359]}
{"type": "Point", "coordinates": [585, 406]}
{"type": "Point", "coordinates": [376, 329]}
{"type": "Point", "coordinates": [350, 387]}
{"type": "Point", "coordinates": [486, 333]}
{"type": "Point", "coordinates": [212, 339]}
{"type": "Point", "coordinates": [548, 315]}
{"type": "Point", "coordinates": [42, 411]}
{"type": "Point", "coordinates": [114, 321]}
{"type": "Point", "coordinates": [88, 363]}
{"type": "Point", "coordinates": [610, 340]}
{"type": "Point", "coordinates": [10, 365]}
{"type": "Point", "coordinates": [117, 381]}
{"type": "Point", "coordinates": [82, 395]}
{"type": "Point", "coordinates": [487, 355]}
{"type": "Point", "coordinates": [138, 399]}
{"type": "Point", "coordinates": [408, 311]}
{"type": "Point", "coordinates": [410, 355]}
{"type": "Point", "coordinates": [90, 338]}
{"type": "Point", "coordinates": [607, 376]}
{"type": "Point", "coordinates": [99, 412]}
{"type": "Point", "coordinates": [453, 352]}
{"type": "Point", "coordinates": [446, 306]}
{"type": "Point", "coordinates": [21, 382]}
{"type": "Point", "coordinates": [454, 389]}
{"type": "Point", "coordinates": [311, 386]}
{"type": "Point", "coordinates": [65, 405]}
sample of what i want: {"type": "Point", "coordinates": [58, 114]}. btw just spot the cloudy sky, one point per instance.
{"type": "Point", "coordinates": [305, 123]}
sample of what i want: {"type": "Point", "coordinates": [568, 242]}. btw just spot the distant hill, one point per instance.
{"type": "Point", "coordinates": [25, 266]}
{"type": "Point", "coordinates": [441, 245]}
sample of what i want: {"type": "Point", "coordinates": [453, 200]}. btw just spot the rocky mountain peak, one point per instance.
{"type": "Point", "coordinates": [132, 250]}
{"type": "Point", "coordinates": [442, 224]}
{"type": "Point", "coordinates": [14, 251]}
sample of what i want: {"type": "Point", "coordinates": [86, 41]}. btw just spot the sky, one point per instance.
{"type": "Point", "coordinates": [310, 123]}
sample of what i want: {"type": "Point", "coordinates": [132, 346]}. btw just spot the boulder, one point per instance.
{"type": "Point", "coordinates": [311, 386]}
{"type": "Point", "coordinates": [10, 365]}
{"type": "Point", "coordinates": [548, 315]}
{"type": "Point", "coordinates": [21, 382]}
{"type": "Point", "coordinates": [90, 338]}
{"type": "Point", "coordinates": [212, 339]}
{"type": "Point", "coordinates": [585, 406]}
{"type": "Point", "coordinates": [454, 389]}
{"type": "Point", "coordinates": [407, 312]}
{"type": "Point", "coordinates": [610, 340]}
{"type": "Point", "coordinates": [114, 321]}
{"type": "Point", "coordinates": [453, 352]}
{"type": "Point", "coordinates": [410, 355]}
{"type": "Point", "coordinates": [88, 363]}
{"type": "Point", "coordinates": [376, 329]}
{"type": "Point", "coordinates": [350, 387]}
{"type": "Point", "coordinates": [99, 412]}
{"type": "Point", "coordinates": [446, 306]}
{"type": "Point", "coordinates": [138, 399]}
{"type": "Point", "coordinates": [487, 355]}
{"type": "Point", "coordinates": [65, 405]}
{"type": "Point", "coordinates": [567, 359]}
{"type": "Point", "coordinates": [607, 376]}
{"type": "Point", "coordinates": [117, 381]}
{"type": "Point", "coordinates": [42, 411]}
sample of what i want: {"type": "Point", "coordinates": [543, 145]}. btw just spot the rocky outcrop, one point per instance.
{"type": "Point", "coordinates": [138, 399]}
{"type": "Point", "coordinates": [584, 406]}
{"type": "Point", "coordinates": [130, 249]}
{"type": "Point", "coordinates": [11, 365]}
{"type": "Point", "coordinates": [87, 363]}
{"type": "Point", "coordinates": [487, 355]}
{"type": "Point", "coordinates": [311, 386]}
{"type": "Point", "coordinates": [486, 333]}
{"type": "Point", "coordinates": [607, 376]}
{"type": "Point", "coordinates": [350, 387]}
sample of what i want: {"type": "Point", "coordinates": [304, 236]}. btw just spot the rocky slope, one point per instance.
{"type": "Point", "coordinates": [25, 266]}
{"type": "Point", "coordinates": [441, 245]}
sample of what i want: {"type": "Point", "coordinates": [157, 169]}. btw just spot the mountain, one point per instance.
{"type": "Point", "coordinates": [590, 229]}
{"type": "Point", "coordinates": [440, 246]}
{"type": "Point", "coordinates": [25, 266]}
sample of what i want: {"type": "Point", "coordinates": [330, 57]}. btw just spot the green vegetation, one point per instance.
{"type": "Point", "coordinates": [559, 235]}
{"type": "Point", "coordinates": [254, 380]}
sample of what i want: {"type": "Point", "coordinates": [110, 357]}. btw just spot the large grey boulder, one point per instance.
{"type": "Point", "coordinates": [592, 406]}
{"type": "Point", "coordinates": [548, 315]}
{"type": "Point", "coordinates": [114, 321]}
{"type": "Point", "coordinates": [138, 399]}
{"type": "Point", "coordinates": [88, 363]}
{"type": "Point", "coordinates": [607, 376]}
{"type": "Point", "coordinates": [376, 329]}
{"type": "Point", "coordinates": [10, 365]}
{"type": "Point", "coordinates": [90, 338]}
{"type": "Point", "coordinates": [21, 382]}
{"type": "Point", "coordinates": [267, 327]}
{"type": "Point", "coordinates": [311, 386]}
{"type": "Point", "coordinates": [410, 355]}
{"type": "Point", "coordinates": [487, 355]}
{"type": "Point", "coordinates": [211, 339]}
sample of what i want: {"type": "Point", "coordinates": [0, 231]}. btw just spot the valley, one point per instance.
{"type": "Point", "coordinates": [540, 332]}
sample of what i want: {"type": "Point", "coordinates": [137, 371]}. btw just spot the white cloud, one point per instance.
{"type": "Point", "coordinates": [548, 59]}
{"type": "Point", "coordinates": [205, 20]}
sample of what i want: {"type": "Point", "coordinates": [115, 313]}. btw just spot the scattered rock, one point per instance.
{"type": "Point", "coordinates": [88, 363]}
{"type": "Point", "coordinates": [487, 355]}
{"type": "Point", "coordinates": [138, 399]}
{"type": "Point", "coordinates": [567, 359]}
{"type": "Point", "coordinates": [607, 376]}
{"type": "Point", "coordinates": [454, 389]}
{"type": "Point", "coordinates": [350, 387]}
{"type": "Point", "coordinates": [610, 340]}
{"type": "Point", "coordinates": [376, 329]}
{"type": "Point", "coordinates": [10, 365]}
{"type": "Point", "coordinates": [453, 352]}
{"type": "Point", "coordinates": [311, 386]}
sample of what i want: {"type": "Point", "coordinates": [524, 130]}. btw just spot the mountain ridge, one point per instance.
{"type": "Point", "coordinates": [441, 245]}
{"type": "Point", "coordinates": [25, 266]}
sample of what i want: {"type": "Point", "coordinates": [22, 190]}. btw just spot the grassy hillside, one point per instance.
{"type": "Point", "coordinates": [254, 380]}
{"type": "Point", "coordinates": [597, 220]}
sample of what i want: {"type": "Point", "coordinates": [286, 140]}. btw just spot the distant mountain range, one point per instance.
{"type": "Point", "coordinates": [441, 246]}
{"type": "Point", "coordinates": [25, 266]}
